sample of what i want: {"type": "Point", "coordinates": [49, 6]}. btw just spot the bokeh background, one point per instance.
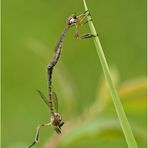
{"type": "Point", "coordinates": [30, 30]}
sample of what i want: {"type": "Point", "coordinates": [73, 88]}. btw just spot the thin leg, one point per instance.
{"type": "Point", "coordinates": [84, 36]}
{"type": "Point", "coordinates": [87, 21]}
{"type": "Point", "coordinates": [76, 31]}
{"type": "Point", "coordinates": [86, 11]}
{"type": "Point", "coordinates": [81, 22]}
{"type": "Point", "coordinates": [38, 133]}
{"type": "Point", "coordinates": [82, 17]}
{"type": "Point", "coordinates": [88, 35]}
{"type": "Point", "coordinates": [83, 14]}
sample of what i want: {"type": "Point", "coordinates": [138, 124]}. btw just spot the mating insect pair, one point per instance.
{"type": "Point", "coordinates": [56, 120]}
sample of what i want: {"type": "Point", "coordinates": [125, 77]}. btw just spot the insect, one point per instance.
{"type": "Point", "coordinates": [55, 119]}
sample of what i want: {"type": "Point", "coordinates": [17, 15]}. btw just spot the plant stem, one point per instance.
{"type": "Point", "coordinates": [116, 100]}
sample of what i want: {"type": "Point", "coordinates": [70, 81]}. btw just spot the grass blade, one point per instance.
{"type": "Point", "coordinates": [116, 100]}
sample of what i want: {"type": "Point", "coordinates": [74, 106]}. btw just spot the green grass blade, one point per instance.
{"type": "Point", "coordinates": [116, 100]}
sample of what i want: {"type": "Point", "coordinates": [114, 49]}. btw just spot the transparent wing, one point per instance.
{"type": "Point", "coordinates": [43, 97]}
{"type": "Point", "coordinates": [55, 101]}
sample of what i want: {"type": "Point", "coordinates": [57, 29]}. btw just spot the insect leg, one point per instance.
{"type": "Point", "coordinates": [38, 133]}
{"type": "Point", "coordinates": [85, 13]}
{"type": "Point", "coordinates": [84, 36]}
{"type": "Point", "coordinates": [87, 35]}
{"type": "Point", "coordinates": [87, 21]}
{"type": "Point", "coordinates": [82, 17]}
{"type": "Point", "coordinates": [76, 32]}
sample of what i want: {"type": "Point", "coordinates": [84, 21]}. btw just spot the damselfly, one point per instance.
{"type": "Point", "coordinates": [56, 120]}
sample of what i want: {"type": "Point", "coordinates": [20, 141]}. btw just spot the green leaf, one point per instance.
{"type": "Point", "coordinates": [116, 100]}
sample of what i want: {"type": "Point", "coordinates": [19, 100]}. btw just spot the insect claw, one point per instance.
{"type": "Point", "coordinates": [86, 11]}
{"type": "Point", "coordinates": [88, 14]}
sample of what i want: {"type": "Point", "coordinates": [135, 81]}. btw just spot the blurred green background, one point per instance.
{"type": "Point", "coordinates": [30, 30]}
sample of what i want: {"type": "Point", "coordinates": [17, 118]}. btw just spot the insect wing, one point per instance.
{"type": "Point", "coordinates": [43, 97]}
{"type": "Point", "coordinates": [55, 101]}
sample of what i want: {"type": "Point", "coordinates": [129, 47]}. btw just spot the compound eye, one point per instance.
{"type": "Point", "coordinates": [75, 17]}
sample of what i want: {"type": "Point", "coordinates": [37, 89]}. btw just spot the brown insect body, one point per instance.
{"type": "Point", "coordinates": [55, 119]}
{"type": "Point", "coordinates": [56, 122]}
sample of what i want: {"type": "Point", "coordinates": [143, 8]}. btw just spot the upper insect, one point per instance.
{"type": "Point", "coordinates": [52, 102]}
{"type": "Point", "coordinates": [72, 20]}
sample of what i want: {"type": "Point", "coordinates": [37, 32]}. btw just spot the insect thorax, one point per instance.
{"type": "Point", "coordinates": [56, 119]}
